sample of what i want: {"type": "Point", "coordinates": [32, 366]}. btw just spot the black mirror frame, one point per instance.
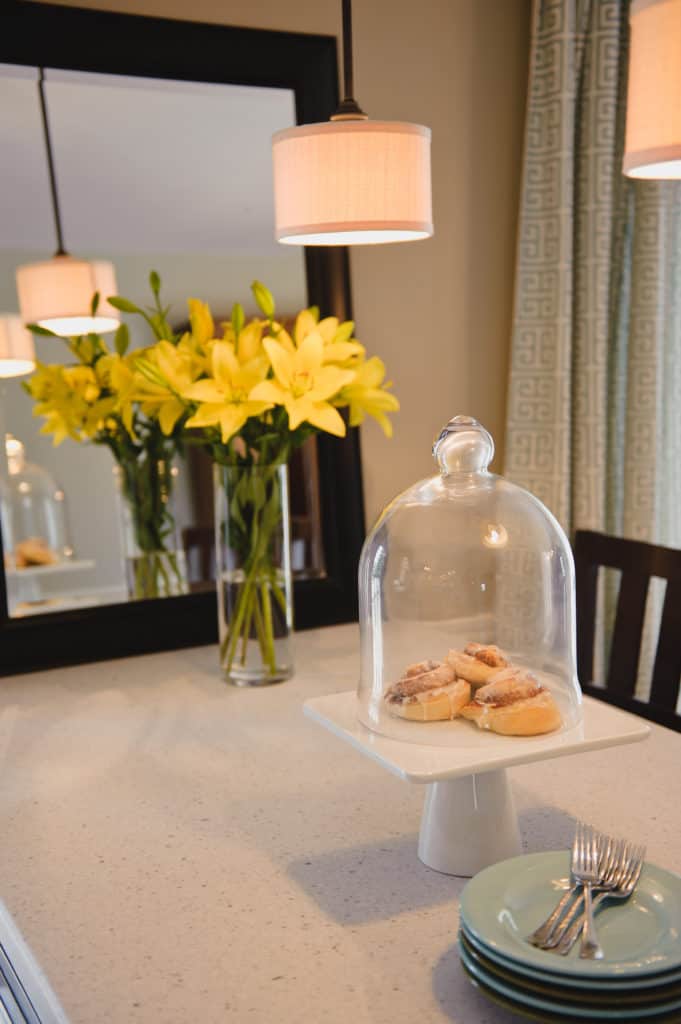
{"type": "Point", "coordinates": [47, 35]}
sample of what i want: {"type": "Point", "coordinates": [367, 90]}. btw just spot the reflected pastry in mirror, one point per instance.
{"type": "Point", "coordinates": [428, 692]}
{"type": "Point", "coordinates": [477, 663]}
{"type": "Point", "coordinates": [34, 551]}
{"type": "Point", "coordinates": [514, 703]}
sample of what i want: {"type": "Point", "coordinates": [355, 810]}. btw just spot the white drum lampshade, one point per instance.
{"type": "Point", "coordinates": [17, 354]}
{"type": "Point", "coordinates": [352, 182]}
{"type": "Point", "coordinates": [57, 294]}
{"type": "Point", "coordinates": [653, 133]}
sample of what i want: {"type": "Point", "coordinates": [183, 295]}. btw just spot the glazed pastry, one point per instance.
{"type": "Point", "coordinates": [514, 703]}
{"type": "Point", "coordinates": [33, 551]}
{"type": "Point", "coordinates": [477, 663]}
{"type": "Point", "coordinates": [428, 692]}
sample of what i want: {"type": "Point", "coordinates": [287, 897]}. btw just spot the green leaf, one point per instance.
{"type": "Point", "coordinates": [154, 282]}
{"type": "Point", "coordinates": [94, 304]}
{"type": "Point", "coordinates": [238, 318]}
{"type": "Point", "coordinates": [122, 339]}
{"type": "Point", "coordinates": [37, 329]}
{"type": "Point", "coordinates": [258, 494]}
{"type": "Point", "coordinates": [124, 305]}
{"type": "Point", "coordinates": [264, 298]}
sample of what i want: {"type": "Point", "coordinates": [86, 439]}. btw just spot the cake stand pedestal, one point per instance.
{"type": "Point", "coordinates": [469, 819]}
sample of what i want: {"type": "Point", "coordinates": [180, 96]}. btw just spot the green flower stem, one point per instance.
{"type": "Point", "coordinates": [269, 628]}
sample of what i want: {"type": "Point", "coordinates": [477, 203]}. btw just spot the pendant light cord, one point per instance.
{"type": "Point", "coordinates": [349, 109]}
{"type": "Point", "coordinates": [61, 251]}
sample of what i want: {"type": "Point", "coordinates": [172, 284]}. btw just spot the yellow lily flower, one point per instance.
{"type": "Point", "coordinates": [367, 394]}
{"type": "Point", "coordinates": [201, 320]}
{"type": "Point", "coordinates": [166, 373]}
{"type": "Point", "coordinates": [69, 398]}
{"type": "Point", "coordinates": [303, 384]}
{"type": "Point", "coordinates": [225, 399]}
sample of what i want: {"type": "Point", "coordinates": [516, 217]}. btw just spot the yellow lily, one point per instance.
{"type": "Point", "coordinates": [225, 400]}
{"type": "Point", "coordinates": [367, 394]}
{"type": "Point", "coordinates": [201, 321]}
{"type": "Point", "coordinates": [163, 373]}
{"type": "Point", "coordinates": [303, 384]}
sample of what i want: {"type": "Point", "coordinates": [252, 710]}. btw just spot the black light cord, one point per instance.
{"type": "Point", "coordinates": [349, 109]}
{"type": "Point", "coordinates": [61, 251]}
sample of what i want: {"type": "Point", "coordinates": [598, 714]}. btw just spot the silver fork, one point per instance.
{"type": "Point", "coordinates": [544, 933]}
{"type": "Point", "coordinates": [611, 855]}
{"type": "Point", "coordinates": [587, 872]}
{"type": "Point", "coordinates": [626, 880]}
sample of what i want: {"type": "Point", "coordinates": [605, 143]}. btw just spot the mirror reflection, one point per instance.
{"type": "Point", "coordinates": [174, 176]}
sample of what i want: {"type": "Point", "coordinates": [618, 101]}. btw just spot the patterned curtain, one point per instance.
{"type": "Point", "coordinates": [594, 424]}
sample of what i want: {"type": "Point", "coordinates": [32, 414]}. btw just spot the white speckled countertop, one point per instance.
{"type": "Point", "coordinates": [177, 850]}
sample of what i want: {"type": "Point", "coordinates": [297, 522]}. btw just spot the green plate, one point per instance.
{"type": "Point", "coordinates": [612, 987]}
{"type": "Point", "coordinates": [523, 1010]}
{"type": "Point", "coordinates": [546, 988]}
{"type": "Point", "coordinates": [640, 936]}
{"type": "Point", "coordinates": [531, 1001]}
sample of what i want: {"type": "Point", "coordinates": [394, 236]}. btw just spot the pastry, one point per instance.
{"type": "Point", "coordinates": [514, 703]}
{"type": "Point", "coordinates": [428, 692]}
{"type": "Point", "coordinates": [477, 663]}
{"type": "Point", "coordinates": [33, 551]}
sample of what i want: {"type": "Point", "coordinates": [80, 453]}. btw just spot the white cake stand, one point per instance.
{"type": "Point", "coordinates": [469, 819]}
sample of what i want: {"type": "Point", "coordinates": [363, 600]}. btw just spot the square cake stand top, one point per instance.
{"type": "Point", "coordinates": [602, 726]}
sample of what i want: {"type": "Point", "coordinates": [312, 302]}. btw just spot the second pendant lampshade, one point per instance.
{"type": "Point", "coordinates": [57, 294]}
{"type": "Point", "coordinates": [352, 182]}
{"type": "Point", "coordinates": [17, 354]}
{"type": "Point", "coordinates": [653, 134]}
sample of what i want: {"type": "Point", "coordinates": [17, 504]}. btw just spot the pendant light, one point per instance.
{"type": "Point", "coordinates": [57, 294]}
{"type": "Point", "coordinates": [352, 181]}
{"type": "Point", "coordinates": [17, 355]}
{"type": "Point", "coordinates": [653, 133]}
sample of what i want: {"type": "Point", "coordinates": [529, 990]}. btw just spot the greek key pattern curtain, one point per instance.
{"type": "Point", "coordinates": [594, 420]}
{"type": "Point", "coordinates": [593, 426]}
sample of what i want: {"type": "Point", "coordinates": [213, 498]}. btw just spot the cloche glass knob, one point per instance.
{"type": "Point", "coordinates": [464, 446]}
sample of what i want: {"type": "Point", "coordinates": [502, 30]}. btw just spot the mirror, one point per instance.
{"type": "Point", "coordinates": [161, 132]}
{"type": "Point", "coordinates": [202, 218]}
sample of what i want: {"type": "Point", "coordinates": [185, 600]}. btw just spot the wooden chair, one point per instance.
{"type": "Point", "coordinates": [638, 562]}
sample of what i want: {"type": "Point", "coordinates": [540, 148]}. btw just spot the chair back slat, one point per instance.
{"type": "Point", "coordinates": [627, 634]}
{"type": "Point", "coordinates": [667, 669]}
{"type": "Point", "coordinates": [638, 562]}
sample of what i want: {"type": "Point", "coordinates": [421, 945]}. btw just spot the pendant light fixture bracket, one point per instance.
{"type": "Point", "coordinates": [349, 109]}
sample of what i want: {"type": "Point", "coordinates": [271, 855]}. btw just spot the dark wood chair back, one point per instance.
{"type": "Point", "coordinates": [199, 546]}
{"type": "Point", "coordinates": [638, 563]}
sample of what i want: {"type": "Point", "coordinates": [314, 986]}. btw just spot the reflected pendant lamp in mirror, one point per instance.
{"type": "Point", "coordinates": [57, 294]}
{"type": "Point", "coordinates": [350, 180]}
{"type": "Point", "coordinates": [17, 355]}
{"type": "Point", "coordinates": [653, 131]}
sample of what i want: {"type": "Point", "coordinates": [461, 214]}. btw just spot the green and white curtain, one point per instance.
{"type": "Point", "coordinates": [594, 417]}
{"type": "Point", "coordinates": [594, 404]}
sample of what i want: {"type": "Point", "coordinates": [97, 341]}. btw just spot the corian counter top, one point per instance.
{"type": "Point", "coordinates": [177, 850]}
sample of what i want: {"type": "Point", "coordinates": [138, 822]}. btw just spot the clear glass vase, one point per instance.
{"type": "Point", "coordinates": [253, 558]}
{"type": "Point", "coordinates": [154, 560]}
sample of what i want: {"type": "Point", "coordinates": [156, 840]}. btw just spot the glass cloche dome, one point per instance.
{"type": "Point", "coordinates": [467, 609]}
{"type": "Point", "coordinates": [34, 527]}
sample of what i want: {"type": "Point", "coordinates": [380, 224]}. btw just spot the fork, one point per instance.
{"type": "Point", "coordinates": [612, 854]}
{"type": "Point", "coordinates": [587, 873]}
{"type": "Point", "coordinates": [544, 933]}
{"type": "Point", "coordinates": [627, 877]}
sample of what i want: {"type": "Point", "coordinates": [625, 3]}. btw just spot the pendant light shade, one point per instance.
{"type": "Point", "coordinates": [349, 180]}
{"type": "Point", "coordinates": [653, 133]}
{"type": "Point", "coordinates": [17, 355]}
{"type": "Point", "coordinates": [352, 182]}
{"type": "Point", "coordinates": [57, 294]}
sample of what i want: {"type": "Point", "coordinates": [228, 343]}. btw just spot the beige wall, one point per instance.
{"type": "Point", "coordinates": [438, 311]}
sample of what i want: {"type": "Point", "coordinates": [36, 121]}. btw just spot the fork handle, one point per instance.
{"type": "Point", "coordinates": [590, 949]}
{"type": "Point", "coordinates": [572, 934]}
{"type": "Point", "coordinates": [543, 933]}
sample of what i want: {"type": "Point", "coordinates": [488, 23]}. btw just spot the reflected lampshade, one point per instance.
{"type": "Point", "coordinates": [17, 354]}
{"type": "Point", "coordinates": [57, 294]}
{"type": "Point", "coordinates": [653, 132]}
{"type": "Point", "coordinates": [352, 182]}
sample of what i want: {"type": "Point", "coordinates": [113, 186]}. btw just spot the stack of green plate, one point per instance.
{"type": "Point", "coordinates": [638, 980]}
